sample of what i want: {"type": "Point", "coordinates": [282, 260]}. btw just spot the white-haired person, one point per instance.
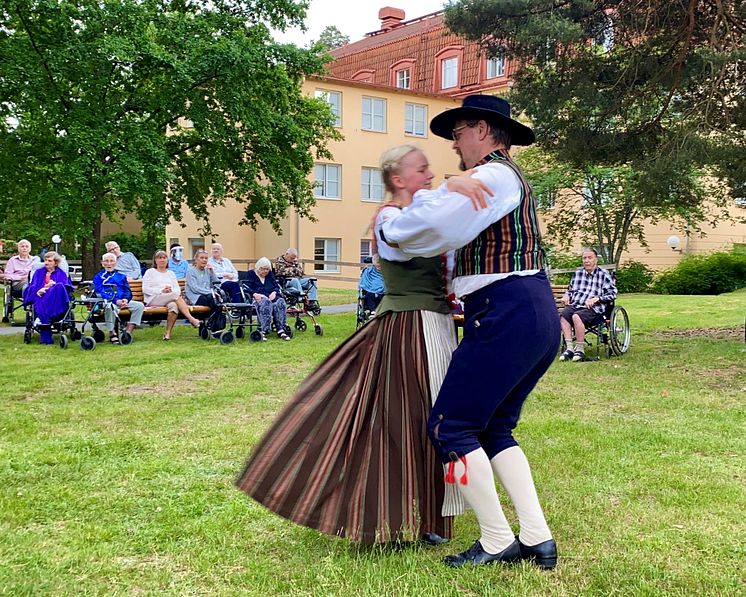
{"type": "Point", "coordinates": [264, 289]}
{"type": "Point", "coordinates": [113, 286]}
{"type": "Point", "coordinates": [225, 271]}
{"type": "Point", "coordinates": [160, 288]}
{"type": "Point", "coordinates": [18, 268]}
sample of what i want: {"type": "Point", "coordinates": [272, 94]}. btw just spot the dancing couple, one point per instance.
{"type": "Point", "coordinates": [362, 447]}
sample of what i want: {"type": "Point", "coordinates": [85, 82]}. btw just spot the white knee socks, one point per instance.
{"type": "Point", "coordinates": [481, 495]}
{"type": "Point", "coordinates": [512, 470]}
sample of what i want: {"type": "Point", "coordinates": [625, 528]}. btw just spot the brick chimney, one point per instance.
{"type": "Point", "coordinates": [390, 17]}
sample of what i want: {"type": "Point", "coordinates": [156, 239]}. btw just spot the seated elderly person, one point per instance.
{"type": "Point", "coordinates": [226, 273]}
{"type": "Point", "coordinates": [288, 267]}
{"type": "Point", "coordinates": [265, 291]}
{"type": "Point", "coordinates": [49, 292]}
{"type": "Point", "coordinates": [176, 262]}
{"type": "Point", "coordinates": [127, 263]}
{"type": "Point", "coordinates": [200, 279]}
{"type": "Point", "coordinates": [18, 268]}
{"type": "Point", "coordinates": [584, 299]}
{"type": "Point", "coordinates": [113, 286]}
{"type": "Point", "coordinates": [371, 281]}
{"type": "Point", "coordinates": [160, 288]}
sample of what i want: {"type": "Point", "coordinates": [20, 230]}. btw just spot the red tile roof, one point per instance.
{"type": "Point", "coordinates": [419, 39]}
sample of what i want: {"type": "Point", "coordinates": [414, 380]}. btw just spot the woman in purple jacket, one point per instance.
{"type": "Point", "coordinates": [265, 291]}
{"type": "Point", "coordinates": [49, 292]}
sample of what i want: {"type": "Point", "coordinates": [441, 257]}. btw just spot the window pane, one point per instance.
{"type": "Point", "coordinates": [364, 249]}
{"type": "Point", "coordinates": [449, 72]}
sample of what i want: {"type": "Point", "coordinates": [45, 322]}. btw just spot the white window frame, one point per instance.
{"type": "Point", "coordinates": [374, 114]}
{"type": "Point", "coordinates": [404, 78]}
{"type": "Point", "coordinates": [334, 99]}
{"type": "Point", "coordinates": [495, 67]}
{"type": "Point", "coordinates": [322, 174]}
{"type": "Point", "coordinates": [449, 72]}
{"type": "Point", "coordinates": [371, 184]}
{"type": "Point", "coordinates": [326, 254]}
{"type": "Point", "coordinates": [365, 249]}
{"type": "Point", "coordinates": [415, 119]}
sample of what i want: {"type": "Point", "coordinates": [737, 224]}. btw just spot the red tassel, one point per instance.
{"type": "Point", "coordinates": [464, 480]}
{"type": "Point", "coordinates": [451, 474]}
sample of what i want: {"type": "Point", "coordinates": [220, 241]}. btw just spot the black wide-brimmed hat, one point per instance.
{"type": "Point", "coordinates": [491, 108]}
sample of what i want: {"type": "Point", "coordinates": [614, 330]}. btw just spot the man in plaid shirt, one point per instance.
{"type": "Point", "coordinates": [590, 287]}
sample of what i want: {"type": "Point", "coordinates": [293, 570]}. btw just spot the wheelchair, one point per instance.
{"type": "Point", "coordinates": [611, 332]}
{"type": "Point", "coordinates": [366, 300]}
{"type": "Point", "coordinates": [230, 321]}
{"type": "Point", "coordinates": [12, 302]}
{"type": "Point", "coordinates": [299, 306]}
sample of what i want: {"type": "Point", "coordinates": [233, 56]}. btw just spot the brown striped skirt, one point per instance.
{"type": "Point", "coordinates": [349, 454]}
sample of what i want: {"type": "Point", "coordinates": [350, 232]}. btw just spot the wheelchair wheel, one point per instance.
{"type": "Point", "coordinates": [204, 333]}
{"type": "Point", "coordinates": [28, 333]}
{"type": "Point", "coordinates": [619, 332]}
{"type": "Point", "coordinates": [240, 332]}
{"type": "Point", "coordinates": [255, 336]}
{"type": "Point", "coordinates": [318, 329]}
{"type": "Point", "coordinates": [63, 341]}
{"type": "Point", "coordinates": [226, 337]}
{"type": "Point", "coordinates": [88, 343]}
{"type": "Point", "coordinates": [301, 325]}
{"type": "Point", "coordinates": [288, 331]}
{"type": "Point", "coordinates": [125, 338]}
{"type": "Point", "coordinates": [98, 335]}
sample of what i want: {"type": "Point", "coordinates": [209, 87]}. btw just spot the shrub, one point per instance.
{"type": "Point", "coordinates": [634, 276]}
{"type": "Point", "coordinates": [704, 274]}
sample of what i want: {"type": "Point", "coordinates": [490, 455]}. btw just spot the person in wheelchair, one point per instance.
{"type": "Point", "coordinates": [112, 286]}
{"type": "Point", "coordinates": [371, 287]}
{"type": "Point", "coordinates": [290, 270]}
{"type": "Point", "coordinates": [18, 268]}
{"type": "Point", "coordinates": [590, 289]}
{"type": "Point", "coordinates": [49, 293]}
{"type": "Point", "coordinates": [265, 291]}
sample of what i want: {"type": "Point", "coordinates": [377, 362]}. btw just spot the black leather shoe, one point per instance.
{"type": "Point", "coordinates": [433, 539]}
{"type": "Point", "coordinates": [476, 556]}
{"type": "Point", "coordinates": [544, 555]}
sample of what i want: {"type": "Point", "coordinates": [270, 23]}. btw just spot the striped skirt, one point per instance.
{"type": "Point", "coordinates": [349, 455]}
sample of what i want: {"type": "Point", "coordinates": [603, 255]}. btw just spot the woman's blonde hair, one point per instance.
{"type": "Point", "coordinates": [391, 162]}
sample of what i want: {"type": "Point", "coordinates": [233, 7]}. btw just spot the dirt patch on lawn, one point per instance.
{"type": "Point", "coordinates": [729, 333]}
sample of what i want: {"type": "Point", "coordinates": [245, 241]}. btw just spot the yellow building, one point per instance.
{"type": "Point", "coordinates": [349, 188]}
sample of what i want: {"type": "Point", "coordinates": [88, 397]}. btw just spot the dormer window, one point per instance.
{"type": "Point", "coordinates": [402, 73]}
{"type": "Point", "coordinates": [364, 76]}
{"type": "Point", "coordinates": [448, 68]}
{"type": "Point", "coordinates": [495, 67]}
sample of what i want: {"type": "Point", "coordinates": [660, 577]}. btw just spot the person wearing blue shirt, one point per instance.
{"type": "Point", "coordinates": [176, 264]}
{"type": "Point", "coordinates": [113, 286]}
{"type": "Point", "coordinates": [371, 281]}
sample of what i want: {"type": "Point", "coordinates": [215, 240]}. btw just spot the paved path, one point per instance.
{"type": "Point", "coordinates": [6, 330]}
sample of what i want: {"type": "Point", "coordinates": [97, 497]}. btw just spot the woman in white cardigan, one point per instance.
{"type": "Point", "coordinates": [160, 288]}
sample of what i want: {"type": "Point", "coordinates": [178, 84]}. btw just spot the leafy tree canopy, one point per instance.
{"type": "Point", "coordinates": [332, 38]}
{"type": "Point", "coordinates": [657, 86]}
{"type": "Point", "coordinates": [144, 106]}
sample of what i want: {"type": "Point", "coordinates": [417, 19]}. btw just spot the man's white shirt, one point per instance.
{"type": "Point", "coordinates": [438, 221]}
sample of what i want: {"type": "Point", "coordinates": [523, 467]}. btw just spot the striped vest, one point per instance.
{"type": "Point", "coordinates": [510, 244]}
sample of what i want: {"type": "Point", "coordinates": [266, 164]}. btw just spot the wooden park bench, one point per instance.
{"type": "Point", "coordinates": [155, 314]}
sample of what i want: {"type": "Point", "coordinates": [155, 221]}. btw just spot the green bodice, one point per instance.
{"type": "Point", "coordinates": [413, 285]}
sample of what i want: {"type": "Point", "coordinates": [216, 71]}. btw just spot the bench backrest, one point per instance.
{"type": "Point", "coordinates": [136, 288]}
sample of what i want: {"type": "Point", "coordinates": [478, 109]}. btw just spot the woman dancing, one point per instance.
{"type": "Point", "coordinates": [349, 455]}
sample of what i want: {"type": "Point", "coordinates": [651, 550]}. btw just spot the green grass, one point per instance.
{"type": "Point", "coordinates": [117, 469]}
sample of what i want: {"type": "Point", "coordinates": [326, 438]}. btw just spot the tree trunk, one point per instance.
{"type": "Point", "coordinates": [90, 250]}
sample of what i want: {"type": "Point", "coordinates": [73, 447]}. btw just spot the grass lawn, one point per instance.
{"type": "Point", "coordinates": [117, 469]}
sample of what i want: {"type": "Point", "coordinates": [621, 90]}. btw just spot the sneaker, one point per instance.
{"type": "Point", "coordinates": [567, 355]}
{"type": "Point", "coordinates": [264, 336]}
{"type": "Point", "coordinates": [579, 355]}
{"type": "Point", "coordinates": [113, 338]}
{"type": "Point", "coordinates": [283, 336]}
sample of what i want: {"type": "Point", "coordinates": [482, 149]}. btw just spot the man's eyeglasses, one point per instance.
{"type": "Point", "coordinates": [456, 134]}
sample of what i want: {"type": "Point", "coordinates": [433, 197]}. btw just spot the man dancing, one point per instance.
{"type": "Point", "coordinates": [511, 329]}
